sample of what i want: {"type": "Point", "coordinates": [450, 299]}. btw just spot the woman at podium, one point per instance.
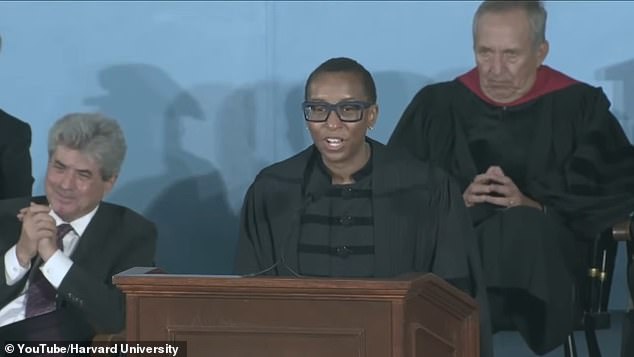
{"type": "Point", "coordinates": [347, 206]}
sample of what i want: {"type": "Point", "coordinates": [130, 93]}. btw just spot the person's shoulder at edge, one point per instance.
{"type": "Point", "coordinates": [11, 122]}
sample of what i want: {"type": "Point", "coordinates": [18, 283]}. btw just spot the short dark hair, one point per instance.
{"type": "Point", "coordinates": [345, 65]}
{"type": "Point", "coordinates": [535, 12]}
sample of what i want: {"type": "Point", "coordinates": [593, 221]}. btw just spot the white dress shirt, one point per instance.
{"type": "Point", "coordinates": [54, 269]}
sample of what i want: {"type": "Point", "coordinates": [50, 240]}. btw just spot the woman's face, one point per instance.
{"type": "Point", "coordinates": [340, 143]}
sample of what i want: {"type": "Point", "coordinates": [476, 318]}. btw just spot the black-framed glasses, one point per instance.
{"type": "Point", "coordinates": [347, 111]}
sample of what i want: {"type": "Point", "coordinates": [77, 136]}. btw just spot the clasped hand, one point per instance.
{"type": "Point", "coordinates": [38, 235]}
{"type": "Point", "coordinates": [496, 188]}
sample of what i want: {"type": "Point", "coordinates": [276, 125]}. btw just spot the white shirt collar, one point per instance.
{"type": "Point", "coordinates": [79, 225]}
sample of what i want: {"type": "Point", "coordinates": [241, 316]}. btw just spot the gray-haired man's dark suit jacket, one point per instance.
{"type": "Point", "coordinates": [116, 239]}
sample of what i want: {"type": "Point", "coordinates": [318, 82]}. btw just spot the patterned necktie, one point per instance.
{"type": "Point", "coordinates": [40, 295]}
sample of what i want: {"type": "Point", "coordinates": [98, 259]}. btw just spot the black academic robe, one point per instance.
{"type": "Point", "coordinates": [420, 222]}
{"type": "Point", "coordinates": [116, 239]}
{"type": "Point", "coordinates": [580, 167]}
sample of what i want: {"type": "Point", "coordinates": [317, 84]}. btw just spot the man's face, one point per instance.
{"type": "Point", "coordinates": [505, 55]}
{"type": "Point", "coordinates": [74, 185]}
{"type": "Point", "coordinates": [340, 143]}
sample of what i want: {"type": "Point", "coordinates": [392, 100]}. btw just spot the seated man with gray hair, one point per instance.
{"type": "Point", "coordinates": [59, 252]}
{"type": "Point", "coordinates": [542, 163]}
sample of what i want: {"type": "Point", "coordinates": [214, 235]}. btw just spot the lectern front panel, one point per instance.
{"type": "Point", "coordinates": [270, 341]}
{"type": "Point", "coordinates": [416, 315]}
{"type": "Point", "coordinates": [269, 327]}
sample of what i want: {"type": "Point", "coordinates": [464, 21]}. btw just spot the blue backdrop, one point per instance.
{"type": "Point", "coordinates": [209, 92]}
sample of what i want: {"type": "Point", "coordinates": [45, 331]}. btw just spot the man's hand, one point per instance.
{"type": "Point", "coordinates": [496, 188]}
{"type": "Point", "coordinates": [38, 234]}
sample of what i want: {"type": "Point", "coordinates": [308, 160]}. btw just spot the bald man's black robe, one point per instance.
{"type": "Point", "coordinates": [574, 159]}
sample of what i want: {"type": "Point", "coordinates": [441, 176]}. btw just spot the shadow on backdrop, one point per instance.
{"type": "Point", "coordinates": [297, 134]}
{"type": "Point", "coordinates": [235, 144]}
{"type": "Point", "coordinates": [623, 74]}
{"type": "Point", "coordinates": [179, 191]}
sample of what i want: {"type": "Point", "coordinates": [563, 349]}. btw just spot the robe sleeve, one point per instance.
{"type": "Point", "coordinates": [457, 257]}
{"type": "Point", "coordinates": [599, 174]}
{"type": "Point", "coordinates": [250, 252]}
{"type": "Point", "coordinates": [408, 134]}
{"type": "Point", "coordinates": [455, 237]}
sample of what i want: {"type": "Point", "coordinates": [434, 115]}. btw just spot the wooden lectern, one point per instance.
{"type": "Point", "coordinates": [232, 316]}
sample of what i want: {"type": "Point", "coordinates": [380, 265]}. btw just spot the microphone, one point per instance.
{"type": "Point", "coordinates": [293, 230]}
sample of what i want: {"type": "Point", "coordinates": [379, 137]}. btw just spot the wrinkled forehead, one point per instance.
{"type": "Point", "coordinates": [74, 158]}
{"type": "Point", "coordinates": [508, 28]}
